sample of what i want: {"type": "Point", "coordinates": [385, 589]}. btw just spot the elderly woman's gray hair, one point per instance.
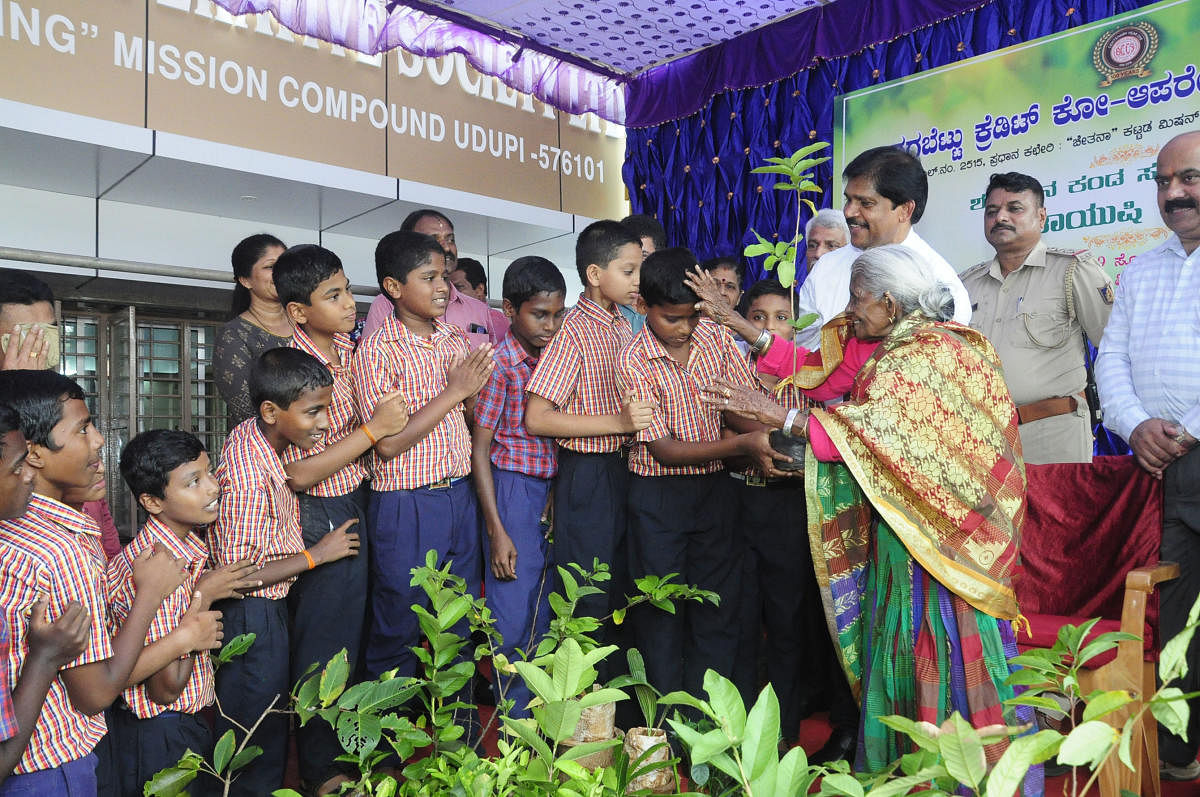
{"type": "Point", "coordinates": [830, 219]}
{"type": "Point", "coordinates": [911, 281]}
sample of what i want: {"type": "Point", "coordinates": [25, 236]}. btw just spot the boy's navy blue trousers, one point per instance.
{"type": "Point", "coordinates": [780, 595]}
{"type": "Point", "coordinates": [247, 684]}
{"type": "Point", "coordinates": [684, 525]}
{"type": "Point", "coordinates": [590, 492]}
{"type": "Point", "coordinates": [520, 607]}
{"type": "Point", "coordinates": [135, 749]}
{"type": "Point", "coordinates": [328, 607]}
{"type": "Point", "coordinates": [73, 779]}
{"type": "Point", "coordinates": [402, 525]}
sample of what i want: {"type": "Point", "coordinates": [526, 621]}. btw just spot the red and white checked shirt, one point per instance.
{"type": "Point", "coordinates": [393, 358]}
{"type": "Point", "coordinates": [577, 370]}
{"type": "Point", "coordinates": [788, 396]}
{"type": "Point", "coordinates": [343, 416]}
{"type": "Point", "coordinates": [259, 517]}
{"type": "Point", "coordinates": [501, 408]}
{"type": "Point", "coordinates": [8, 714]}
{"type": "Point", "coordinates": [198, 692]}
{"type": "Point", "coordinates": [646, 367]}
{"type": "Point", "coordinates": [55, 551]}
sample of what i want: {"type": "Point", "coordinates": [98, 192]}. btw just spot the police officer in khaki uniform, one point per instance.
{"type": "Point", "coordinates": [1019, 299]}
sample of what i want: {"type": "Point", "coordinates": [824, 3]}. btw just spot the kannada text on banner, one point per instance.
{"type": "Point", "coordinates": [1084, 111]}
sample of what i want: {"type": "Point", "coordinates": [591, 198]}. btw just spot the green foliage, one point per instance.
{"type": "Point", "coordinates": [797, 169]}
{"type": "Point", "coordinates": [729, 750]}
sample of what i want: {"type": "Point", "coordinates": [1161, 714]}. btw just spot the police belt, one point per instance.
{"type": "Point", "coordinates": [1049, 408]}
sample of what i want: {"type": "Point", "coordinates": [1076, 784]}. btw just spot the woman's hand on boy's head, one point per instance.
{"type": "Point", "coordinates": [63, 640]}
{"type": "Point", "coordinates": [156, 572]}
{"type": "Point", "coordinates": [337, 544]}
{"type": "Point", "coordinates": [470, 372]}
{"type": "Point", "coordinates": [712, 302]}
{"type": "Point", "coordinates": [389, 417]}
{"type": "Point", "coordinates": [230, 581]}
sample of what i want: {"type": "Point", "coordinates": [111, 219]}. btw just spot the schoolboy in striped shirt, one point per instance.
{"type": "Point", "coordinates": [157, 721]}
{"type": "Point", "coordinates": [50, 645]}
{"type": "Point", "coordinates": [681, 505]}
{"type": "Point", "coordinates": [514, 470]}
{"type": "Point", "coordinates": [328, 605]}
{"type": "Point", "coordinates": [421, 498]}
{"type": "Point", "coordinates": [54, 550]}
{"type": "Point", "coordinates": [259, 519]}
{"type": "Point", "coordinates": [779, 588]}
{"type": "Point", "coordinates": [573, 396]}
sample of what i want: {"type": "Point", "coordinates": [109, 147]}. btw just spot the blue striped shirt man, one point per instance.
{"type": "Point", "coordinates": [1149, 363]}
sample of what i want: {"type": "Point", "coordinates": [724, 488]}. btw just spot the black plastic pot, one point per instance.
{"type": "Point", "coordinates": [789, 446]}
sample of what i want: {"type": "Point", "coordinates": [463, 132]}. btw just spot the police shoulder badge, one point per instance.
{"type": "Point", "coordinates": [1125, 51]}
{"type": "Point", "coordinates": [1106, 293]}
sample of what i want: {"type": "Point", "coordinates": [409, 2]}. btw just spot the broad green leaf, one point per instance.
{"type": "Point", "coordinates": [558, 718]}
{"type": "Point", "coordinates": [1023, 752]}
{"type": "Point", "coordinates": [333, 678]}
{"type": "Point", "coordinates": [1105, 703]}
{"type": "Point", "coordinates": [358, 734]}
{"type": "Point", "coordinates": [807, 150]}
{"type": "Point", "coordinates": [527, 731]}
{"type": "Point", "coordinates": [771, 170]}
{"type": "Point", "coordinates": [787, 273]}
{"type": "Point", "coordinates": [1103, 643]}
{"type": "Point", "coordinates": [685, 699]}
{"type": "Point", "coordinates": [793, 776]}
{"type": "Point", "coordinates": [1035, 701]}
{"type": "Point", "coordinates": [709, 745]}
{"type": "Point", "coordinates": [962, 751]}
{"type": "Point", "coordinates": [760, 745]}
{"type": "Point", "coordinates": [784, 187]}
{"type": "Point", "coordinates": [223, 751]}
{"type": "Point", "coordinates": [839, 783]}
{"type": "Point", "coordinates": [235, 647]}
{"type": "Point", "coordinates": [598, 696]}
{"type": "Point", "coordinates": [698, 775]}
{"type": "Point", "coordinates": [1172, 663]}
{"type": "Point", "coordinates": [454, 611]}
{"type": "Point", "coordinates": [244, 757]}
{"type": "Point", "coordinates": [587, 748]}
{"type": "Point", "coordinates": [1170, 711]}
{"type": "Point", "coordinates": [1087, 744]}
{"type": "Point", "coordinates": [805, 321]}
{"type": "Point", "coordinates": [1123, 748]}
{"type": "Point", "coordinates": [811, 207]}
{"type": "Point", "coordinates": [726, 703]}
{"type": "Point", "coordinates": [618, 616]}
{"type": "Point", "coordinates": [169, 782]}
{"type": "Point", "coordinates": [781, 248]}
{"type": "Point", "coordinates": [898, 786]}
{"type": "Point", "coordinates": [536, 679]}
{"type": "Point", "coordinates": [923, 739]}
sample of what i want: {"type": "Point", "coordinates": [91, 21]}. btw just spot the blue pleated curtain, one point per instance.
{"type": "Point", "coordinates": [693, 173]}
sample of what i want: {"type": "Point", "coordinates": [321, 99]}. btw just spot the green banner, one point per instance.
{"type": "Point", "coordinates": [1084, 111]}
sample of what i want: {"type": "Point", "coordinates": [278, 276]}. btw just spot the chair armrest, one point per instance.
{"type": "Point", "coordinates": [1144, 579]}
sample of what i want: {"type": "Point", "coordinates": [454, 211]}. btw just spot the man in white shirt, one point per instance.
{"type": "Point", "coordinates": [1148, 372]}
{"type": "Point", "coordinates": [885, 193]}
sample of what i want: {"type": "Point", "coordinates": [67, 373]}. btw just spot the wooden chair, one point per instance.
{"type": "Point", "coordinates": [1089, 548]}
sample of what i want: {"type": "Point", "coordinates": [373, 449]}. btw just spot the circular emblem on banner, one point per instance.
{"type": "Point", "coordinates": [1125, 52]}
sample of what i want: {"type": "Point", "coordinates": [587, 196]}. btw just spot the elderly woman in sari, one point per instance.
{"type": "Point", "coordinates": [915, 494]}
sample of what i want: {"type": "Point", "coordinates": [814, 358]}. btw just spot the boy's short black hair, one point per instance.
{"type": "Point", "coordinates": [282, 375]}
{"type": "Point", "coordinates": [300, 269]}
{"type": "Point", "coordinates": [10, 421]}
{"type": "Point", "coordinates": [401, 252]}
{"type": "Point", "coordinates": [528, 276]}
{"type": "Point", "coordinates": [472, 269]}
{"type": "Point", "coordinates": [599, 243]}
{"type": "Point", "coordinates": [896, 175]}
{"type": "Point", "coordinates": [644, 226]}
{"type": "Point", "coordinates": [148, 459]}
{"type": "Point", "coordinates": [1015, 183]}
{"type": "Point", "coordinates": [726, 261]}
{"type": "Point", "coordinates": [662, 277]}
{"type": "Point", "coordinates": [764, 287]}
{"type": "Point", "coordinates": [21, 287]}
{"type": "Point", "coordinates": [38, 398]}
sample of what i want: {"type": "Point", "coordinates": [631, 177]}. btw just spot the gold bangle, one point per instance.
{"type": "Point", "coordinates": [370, 436]}
{"type": "Point", "coordinates": [308, 556]}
